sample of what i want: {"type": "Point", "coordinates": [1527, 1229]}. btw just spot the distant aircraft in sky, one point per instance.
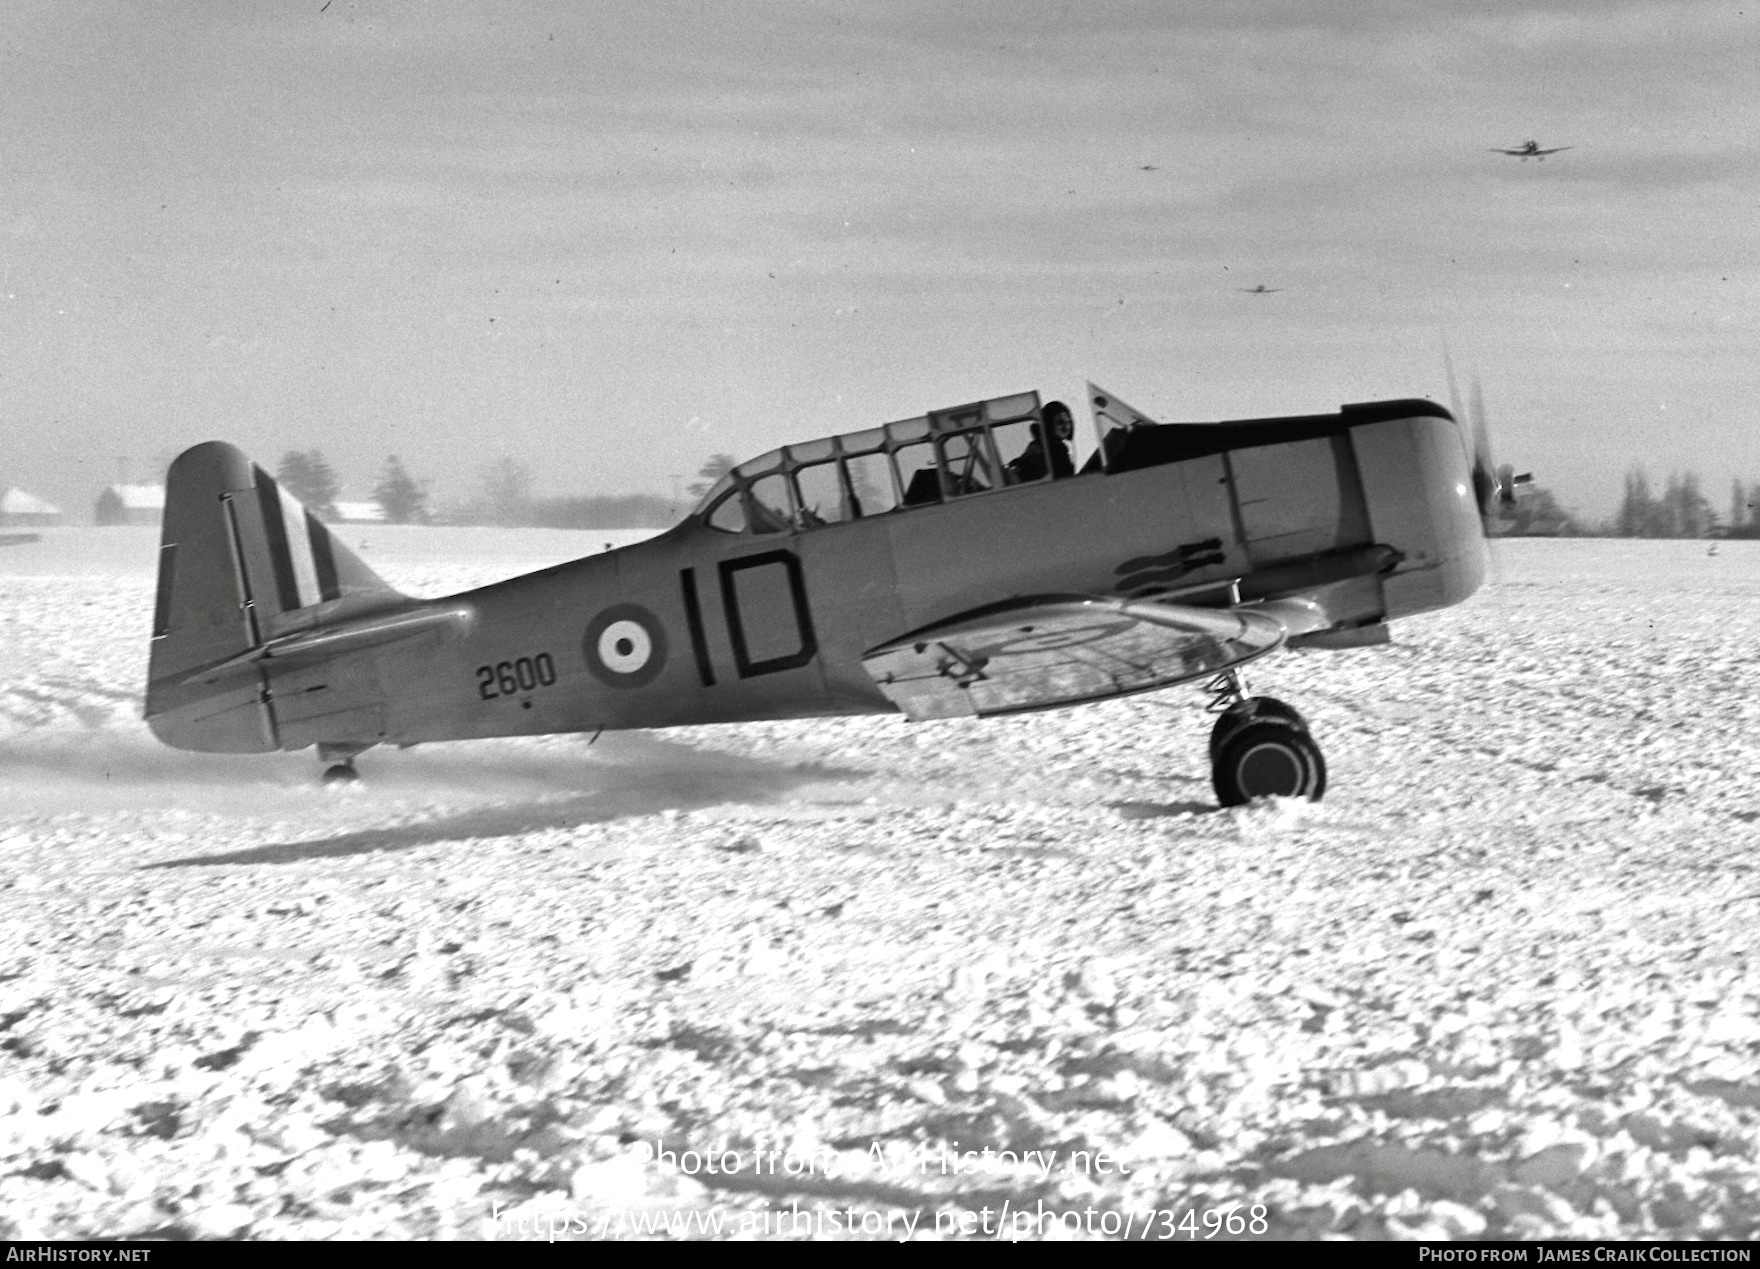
{"type": "Point", "coordinates": [1530, 150]}
{"type": "Point", "coordinates": [1261, 289]}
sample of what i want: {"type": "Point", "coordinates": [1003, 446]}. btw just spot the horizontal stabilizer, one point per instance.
{"type": "Point", "coordinates": [1057, 650]}
{"type": "Point", "coordinates": [355, 635]}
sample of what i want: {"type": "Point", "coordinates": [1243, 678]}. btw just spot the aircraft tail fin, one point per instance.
{"type": "Point", "coordinates": [241, 562]}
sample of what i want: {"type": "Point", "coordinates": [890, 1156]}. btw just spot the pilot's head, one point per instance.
{"type": "Point", "coordinates": [1058, 420]}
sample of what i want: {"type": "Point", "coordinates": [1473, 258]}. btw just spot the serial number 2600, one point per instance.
{"type": "Point", "coordinates": [510, 678]}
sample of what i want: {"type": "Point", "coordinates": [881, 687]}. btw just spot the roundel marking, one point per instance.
{"type": "Point", "coordinates": [1053, 640]}
{"type": "Point", "coordinates": [625, 646]}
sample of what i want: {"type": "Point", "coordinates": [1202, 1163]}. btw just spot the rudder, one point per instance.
{"type": "Point", "coordinates": [241, 562]}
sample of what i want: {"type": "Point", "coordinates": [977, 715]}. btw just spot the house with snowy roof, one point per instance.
{"type": "Point", "coordinates": [18, 507]}
{"type": "Point", "coordinates": [358, 512]}
{"type": "Point", "coordinates": [130, 504]}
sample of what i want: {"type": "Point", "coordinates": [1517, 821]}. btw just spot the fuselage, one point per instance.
{"type": "Point", "coordinates": [769, 618]}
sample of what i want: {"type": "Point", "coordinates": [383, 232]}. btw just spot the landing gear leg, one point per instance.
{"type": "Point", "coordinates": [1260, 746]}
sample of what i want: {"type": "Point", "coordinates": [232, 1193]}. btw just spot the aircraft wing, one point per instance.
{"type": "Point", "coordinates": [1053, 650]}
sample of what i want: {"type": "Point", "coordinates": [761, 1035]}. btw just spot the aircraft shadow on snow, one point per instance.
{"type": "Point", "coordinates": [657, 778]}
{"type": "Point", "coordinates": [1158, 810]}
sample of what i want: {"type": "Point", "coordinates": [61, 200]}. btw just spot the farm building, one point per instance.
{"type": "Point", "coordinates": [20, 508]}
{"type": "Point", "coordinates": [130, 504]}
{"type": "Point", "coordinates": [358, 513]}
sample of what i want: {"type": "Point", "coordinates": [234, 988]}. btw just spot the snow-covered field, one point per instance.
{"type": "Point", "coordinates": [892, 979]}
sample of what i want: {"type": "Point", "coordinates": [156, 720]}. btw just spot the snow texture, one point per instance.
{"type": "Point", "coordinates": [1499, 983]}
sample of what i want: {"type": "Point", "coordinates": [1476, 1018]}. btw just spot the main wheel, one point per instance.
{"type": "Point", "coordinates": [1250, 710]}
{"type": "Point", "coordinates": [1268, 758]}
{"type": "Point", "coordinates": [341, 773]}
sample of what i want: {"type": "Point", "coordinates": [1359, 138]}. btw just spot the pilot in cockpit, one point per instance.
{"type": "Point", "coordinates": [1056, 422]}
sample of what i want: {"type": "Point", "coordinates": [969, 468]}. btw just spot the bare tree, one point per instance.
{"type": "Point", "coordinates": [1688, 514]}
{"type": "Point", "coordinates": [1682, 511]}
{"type": "Point", "coordinates": [507, 491]}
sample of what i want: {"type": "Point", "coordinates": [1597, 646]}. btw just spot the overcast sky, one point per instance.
{"type": "Point", "coordinates": [607, 240]}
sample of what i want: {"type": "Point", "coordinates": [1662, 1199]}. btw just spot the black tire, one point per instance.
{"type": "Point", "coordinates": [341, 773]}
{"type": "Point", "coordinates": [1268, 758]}
{"type": "Point", "coordinates": [1250, 710]}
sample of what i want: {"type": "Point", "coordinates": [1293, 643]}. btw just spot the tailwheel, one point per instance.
{"type": "Point", "coordinates": [1265, 757]}
{"type": "Point", "coordinates": [339, 757]}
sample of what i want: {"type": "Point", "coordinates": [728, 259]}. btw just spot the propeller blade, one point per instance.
{"type": "Point", "coordinates": [1494, 486]}
{"type": "Point", "coordinates": [1487, 479]}
{"type": "Point", "coordinates": [1472, 418]}
{"type": "Point", "coordinates": [1454, 389]}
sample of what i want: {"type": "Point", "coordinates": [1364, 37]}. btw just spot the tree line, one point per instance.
{"type": "Point", "coordinates": [1679, 509]}
{"type": "Point", "coordinates": [504, 497]}
{"type": "Point", "coordinates": [1682, 510]}
{"type": "Point", "coordinates": [308, 476]}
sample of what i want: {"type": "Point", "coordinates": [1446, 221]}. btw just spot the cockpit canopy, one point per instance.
{"type": "Point", "coordinates": [946, 454]}
{"type": "Point", "coordinates": [980, 449]}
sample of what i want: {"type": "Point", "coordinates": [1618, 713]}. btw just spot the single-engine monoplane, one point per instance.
{"type": "Point", "coordinates": [1530, 150]}
{"type": "Point", "coordinates": [930, 567]}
